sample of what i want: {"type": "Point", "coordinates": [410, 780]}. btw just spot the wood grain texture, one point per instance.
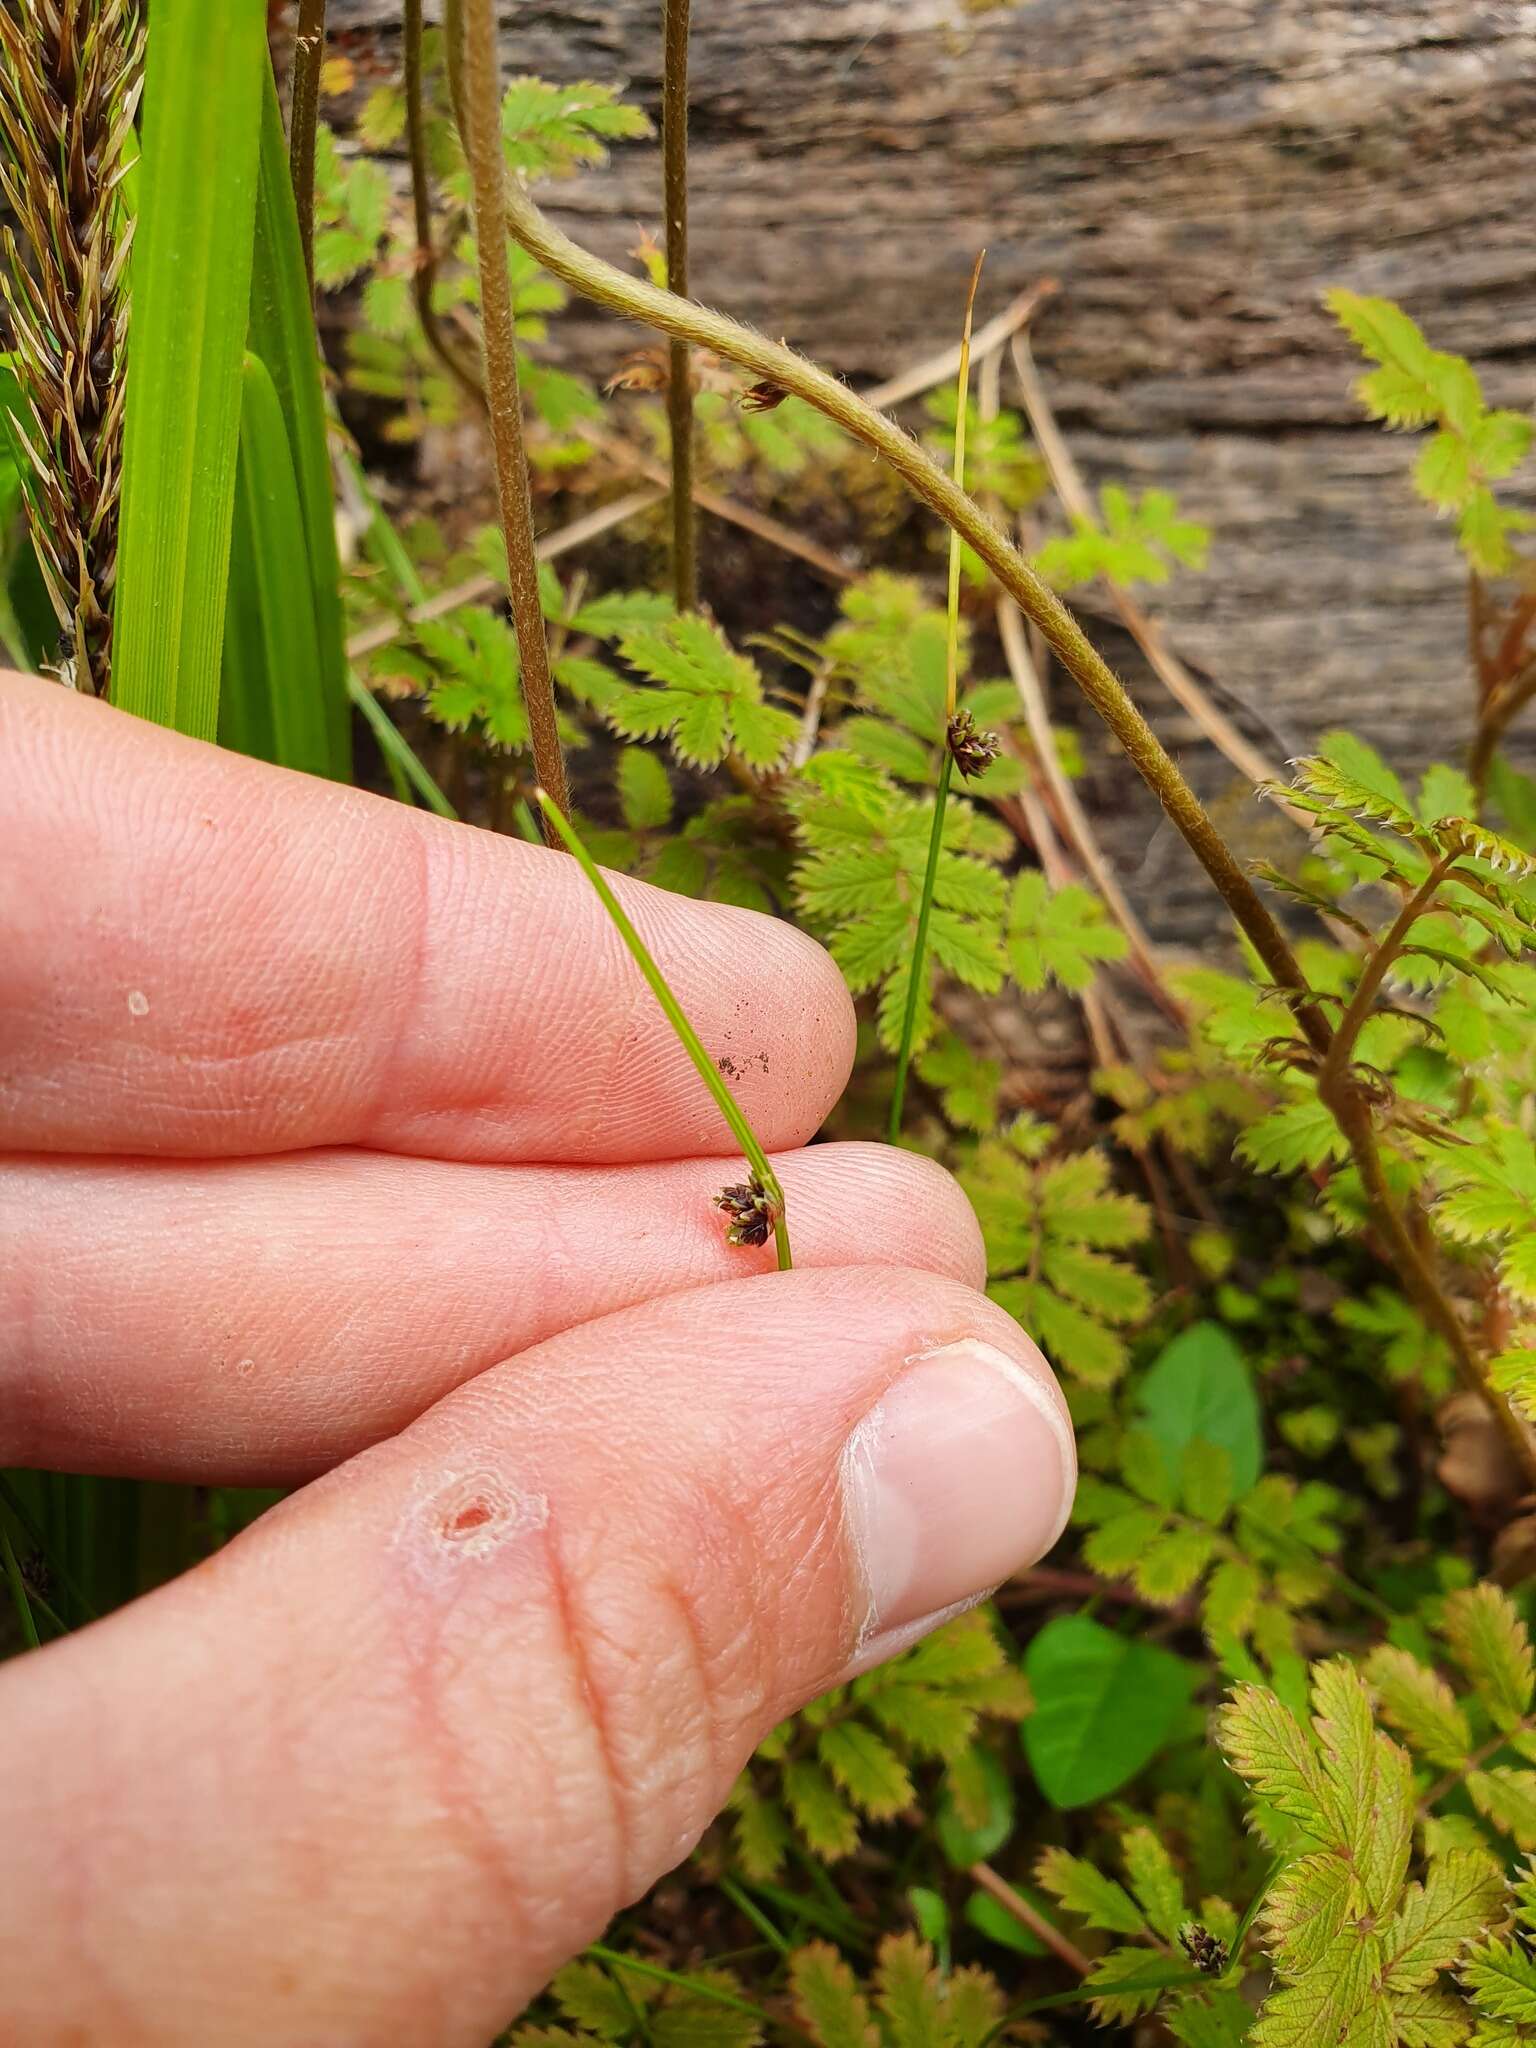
{"type": "Point", "coordinates": [1195, 172]}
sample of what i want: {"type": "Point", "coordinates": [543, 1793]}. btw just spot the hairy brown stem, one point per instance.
{"type": "Point", "coordinates": [1015, 1903]}
{"type": "Point", "coordinates": [476, 65]}
{"type": "Point", "coordinates": [424, 276]}
{"type": "Point", "coordinates": [674, 160]}
{"type": "Point", "coordinates": [304, 122]}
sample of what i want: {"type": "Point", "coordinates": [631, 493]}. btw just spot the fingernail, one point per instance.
{"type": "Point", "coordinates": [962, 1474]}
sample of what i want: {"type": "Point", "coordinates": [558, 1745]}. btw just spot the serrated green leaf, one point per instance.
{"type": "Point", "coordinates": [1490, 1643]}
{"type": "Point", "coordinates": [1420, 1705]}
{"type": "Point", "coordinates": [1058, 935]}
{"type": "Point", "coordinates": [589, 1997]}
{"type": "Point", "coordinates": [645, 794]}
{"type": "Point", "coordinates": [1507, 1797]}
{"type": "Point", "coordinates": [828, 1999]}
{"type": "Point", "coordinates": [1084, 1889]}
{"type": "Point", "coordinates": [1501, 1977]}
{"type": "Point", "coordinates": [1296, 1139]}
{"type": "Point", "coordinates": [1460, 1895]}
{"type": "Point", "coordinates": [1158, 1887]}
{"type": "Point", "coordinates": [824, 1819]}
{"type": "Point", "coordinates": [867, 1769]}
{"type": "Point", "coordinates": [908, 1994]}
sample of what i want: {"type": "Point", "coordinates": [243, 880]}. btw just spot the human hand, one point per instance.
{"type": "Point", "coordinates": [346, 1146]}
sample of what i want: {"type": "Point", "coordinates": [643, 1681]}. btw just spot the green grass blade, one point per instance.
{"type": "Point", "coordinates": [191, 286]}
{"type": "Point", "coordinates": [708, 1072]}
{"type": "Point", "coordinates": [272, 704]}
{"type": "Point", "coordinates": [282, 333]}
{"type": "Point", "coordinates": [400, 757]}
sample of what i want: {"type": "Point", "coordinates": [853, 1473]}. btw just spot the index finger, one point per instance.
{"type": "Point", "coordinates": [203, 955]}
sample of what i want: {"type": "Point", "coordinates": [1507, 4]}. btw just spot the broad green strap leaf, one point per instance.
{"type": "Point", "coordinates": [282, 334]}
{"type": "Point", "coordinates": [272, 704]}
{"type": "Point", "coordinates": [191, 277]}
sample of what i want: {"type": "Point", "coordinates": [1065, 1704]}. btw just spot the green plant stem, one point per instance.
{"type": "Point", "coordinates": [475, 60]}
{"type": "Point", "coordinates": [304, 122]}
{"type": "Point", "coordinates": [951, 692]}
{"type": "Point", "coordinates": [396, 748]}
{"type": "Point", "coordinates": [424, 277]}
{"type": "Point", "coordinates": [708, 1072]}
{"type": "Point", "coordinates": [637, 299]}
{"type": "Point", "coordinates": [919, 949]}
{"type": "Point", "coordinates": [18, 1587]}
{"type": "Point", "coordinates": [674, 159]}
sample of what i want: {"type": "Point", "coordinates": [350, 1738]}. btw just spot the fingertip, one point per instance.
{"type": "Point", "coordinates": [869, 1204]}
{"type": "Point", "coordinates": [788, 1050]}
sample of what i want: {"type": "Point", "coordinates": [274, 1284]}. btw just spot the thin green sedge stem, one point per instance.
{"type": "Point", "coordinates": [951, 693]}
{"type": "Point", "coordinates": [962, 407]}
{"type": "Point", "coordinates": [18, 1587]}
{"type": "Point", "coordinates": [750, 1911]}
{"type": "Point", "coordinates": [399, 754]}
{"type": "Point", "coordinates": [709, 1074]}
{"type": "Point", "coordinates": [674, 156]}
{"type": "Point", "coordinates": [920, 947]}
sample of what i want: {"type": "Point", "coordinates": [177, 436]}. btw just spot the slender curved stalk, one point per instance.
{"type": "Point", "coordinates": [476, 68]}
{"type": "Point", "coordinates": [424, 277]}
{"type": "Point", "coordinates": [304, 122]}
{"type": "Point", "coordinates": [397, 750]}
{"type": "Point", "coordinates": [637, 299]}
{"type": "Point", "coordinates": [691, 1043]}
{"type": "Point", "coordinates": [674, 159]}
{"type": "Point", "coordinates": [946, 765]}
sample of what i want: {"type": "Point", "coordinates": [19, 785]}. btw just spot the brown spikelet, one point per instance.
{"type": "Point", "coordinates": [70, 73]}
{"type": "Point", "coordinates": [751, 1210]}
{"type": "Point", "coordinates": [974, 749]}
